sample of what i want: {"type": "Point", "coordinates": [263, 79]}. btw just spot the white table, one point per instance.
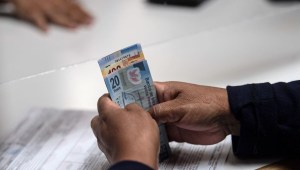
{"type": "Point", "coordinates": [218, 43]}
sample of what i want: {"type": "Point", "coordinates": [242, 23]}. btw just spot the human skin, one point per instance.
{"type": "Point", "coordinates": [66, 13]}
{"type": "Point", "coordinates": [193, 113]}
{"type": "Point", "coordinates": [126, 134]}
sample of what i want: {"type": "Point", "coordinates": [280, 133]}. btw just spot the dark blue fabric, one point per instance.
{"type": "Point", "coordinates": [129, 165]}
{"type": "Point", "coordinates": [270, 118]}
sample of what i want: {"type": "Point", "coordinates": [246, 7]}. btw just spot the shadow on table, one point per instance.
{"type": "Point", "coordinates": [184, 3]}
{"type": "Point", "coordinates": [283, 1]}
{"type": "Point", "coordinates": [196, 3]}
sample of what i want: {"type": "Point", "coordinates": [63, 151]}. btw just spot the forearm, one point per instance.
{"type": "Point", "coordinates": [269, 116]}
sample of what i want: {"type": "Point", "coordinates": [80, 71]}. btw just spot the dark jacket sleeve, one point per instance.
{"type": "Point", "coordinates": [129, 165]}
{"type": "Point", "coordinates": [269, 115]}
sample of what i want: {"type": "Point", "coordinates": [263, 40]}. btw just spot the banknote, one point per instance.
{"type": "Point", "coordinates": [132, 83]}
{"type": "Point", "coordinates": [122, 63]}
{"type": "Point", "coordinates": [120, 59]}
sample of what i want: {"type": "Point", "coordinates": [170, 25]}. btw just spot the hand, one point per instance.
{"type": "Point", "coordinates": [126, 134]}
{"type": "Point", "coordinates": [66, 13]}
{"type": "Point", "coordinates": [193, 113]}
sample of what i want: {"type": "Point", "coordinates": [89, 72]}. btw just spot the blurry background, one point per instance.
{"type": "Point", "coordinates": [215, 43]}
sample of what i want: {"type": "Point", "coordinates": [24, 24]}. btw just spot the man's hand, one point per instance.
{"type": "Point", "coordinates": [66, 13]}
{"type": "Point", "coordinates": [126, 134]}
{"type": "Point", "coordinates": [193, 113]}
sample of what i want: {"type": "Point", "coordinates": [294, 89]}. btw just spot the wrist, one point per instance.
{"type": "Point", "coordinates": [147, 154]}
{"type": "Point", "coordinates": [230, 123]}
{"type": "Point", "coordinates": [141, 158]}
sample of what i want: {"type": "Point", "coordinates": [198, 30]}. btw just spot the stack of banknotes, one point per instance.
{"type": "Point", "coordinates": [128, 80]}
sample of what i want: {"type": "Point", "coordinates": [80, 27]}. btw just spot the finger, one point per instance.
{"type": "Point", "coordinates": [79, 15]}
{"type": "Point", "coordinates": [95, 125]}
{"type": "Point", "coordinates": [60, 18]}
{"type": "Point", "coordinates": [105, 104]}
{"type": "Point", "coordinates": [167, 90]}
{"type": "Point", "coordinates": [73, 11]}
{"type": "Point", "coordinates": [99, 129]}
{"type": "Point", "coordinates": [35, 16]}
{"type": "Point", "coordinates": [195, 137]}
{"type": "Point", "coordinates": [166, 112]}
{"type": "Point", "coordinates": [133, 107]}
{"type": "Point", "coordinates": [53, 10]}
{"type": "Point", "coordinates": [40, 21]}
{"type": "Point", "coordinates": [203, 138]}
{"type": "Point", "coordinates": [160, 89]}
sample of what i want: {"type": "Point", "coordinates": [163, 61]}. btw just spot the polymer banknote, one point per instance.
{"type": "Point", "coordinates": [132, 83]}
{"type": "Point", "coordinates": [121, 59]}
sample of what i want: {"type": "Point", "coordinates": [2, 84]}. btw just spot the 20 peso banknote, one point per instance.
{"type": "Point", "coordinates": [128, 80]}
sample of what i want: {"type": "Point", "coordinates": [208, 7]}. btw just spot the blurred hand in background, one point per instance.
{"type": "Point", "coordinates": [66, 13]}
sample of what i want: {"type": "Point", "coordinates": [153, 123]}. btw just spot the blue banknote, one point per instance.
{"type": "Point", "coordinates": [121, 59]}
{"type": "Point", "coordinates": [133, 84]}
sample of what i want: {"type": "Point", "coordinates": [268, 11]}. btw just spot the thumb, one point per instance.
{"type": "Point", "coordinates": [39, 19]}
{"type": "Point", "coordinates": [105, 104]}
{"type": "Point", "coordinates": [40, 22]}
{"type": "Point", "coordinates": [166, 112]}
{"type": "Point", "coordinates": [160, 88]}
{"type": "Point", "coordinates": [167, 90]}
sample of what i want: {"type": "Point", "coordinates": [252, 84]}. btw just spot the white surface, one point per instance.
{"type": "Point", "coordinates": [218, 43]}
{"type": "Point", "coordinates": [118, 24]}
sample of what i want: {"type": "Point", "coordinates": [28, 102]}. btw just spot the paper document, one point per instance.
{"type": "Point", "coordinates": [63, 139]}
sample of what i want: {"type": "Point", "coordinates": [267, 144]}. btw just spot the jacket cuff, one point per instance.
{"type": "Point", "coordinates": [253, 106]}
{"type": "Point", "coordinates": [129, 165]}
